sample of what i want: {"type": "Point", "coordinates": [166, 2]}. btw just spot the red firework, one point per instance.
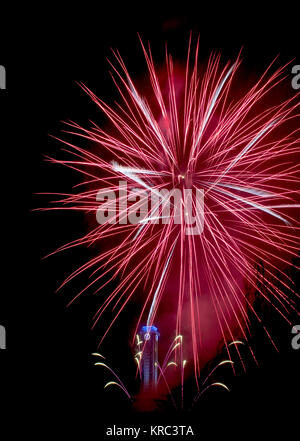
{"type": "Point", "coordinates": [192, 128]}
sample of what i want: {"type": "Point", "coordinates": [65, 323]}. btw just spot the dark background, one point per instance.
{"type": "Point", "coordinates": [49, 383]}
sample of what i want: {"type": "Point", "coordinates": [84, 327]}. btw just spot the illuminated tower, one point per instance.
{"type": "Point", "coordinates": [149, 336]}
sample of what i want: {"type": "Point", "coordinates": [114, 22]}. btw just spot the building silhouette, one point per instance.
{"type": "Point", "coordinates": [149, 336]}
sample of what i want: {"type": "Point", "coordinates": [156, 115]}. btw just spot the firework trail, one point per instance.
{"type": "Point", "coordinates": [164, 374]}
{"type": "Point", "coordinates": [198, 130]}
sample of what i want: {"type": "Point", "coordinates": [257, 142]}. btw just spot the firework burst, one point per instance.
{"type": "Point", "coordinates": [191, 128]}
